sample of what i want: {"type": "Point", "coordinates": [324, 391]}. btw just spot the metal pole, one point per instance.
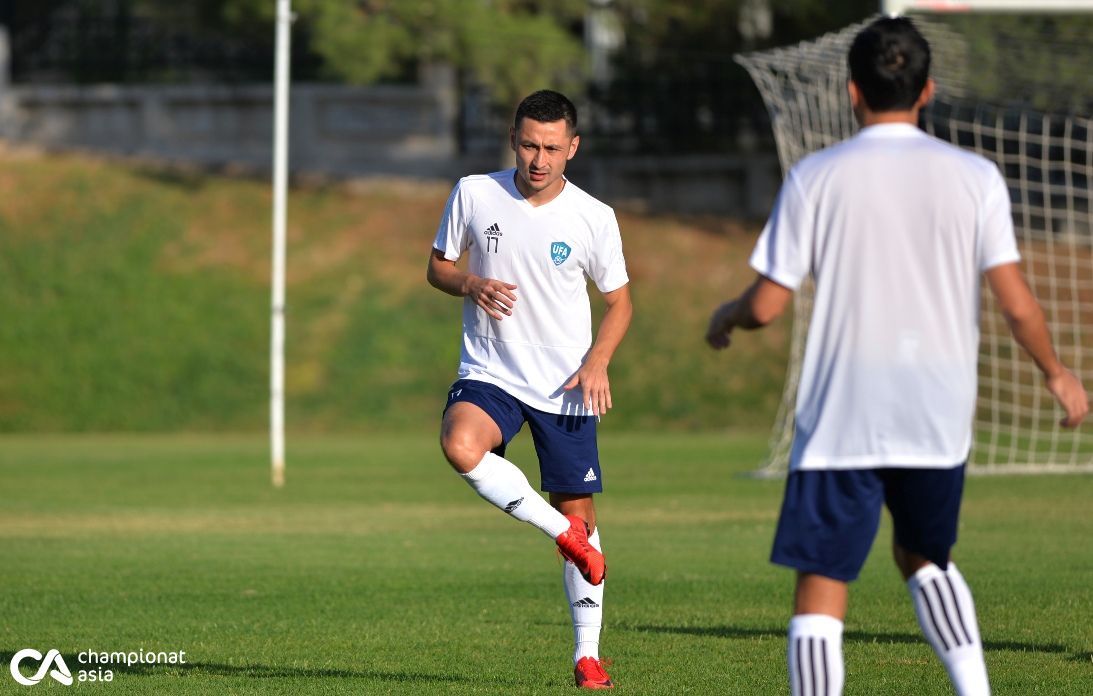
{"type": "Point", "coordinates": [280, 190]}
{"type": "Point", "coordinates": [5, 60]}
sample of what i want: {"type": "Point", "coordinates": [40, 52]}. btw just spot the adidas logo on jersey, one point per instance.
{"type": "Point", "coordinates": [585, 603]}
{"type": "Point", "coordinates": [493, 238]}
{"type": "Point", "coordinates": [590, 476]}
{"type": "Point", "coordinates": [513, 505]}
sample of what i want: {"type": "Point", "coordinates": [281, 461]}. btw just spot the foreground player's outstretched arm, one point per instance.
{"type": "Point", "coordinates": [1026, 321]}
{"type": "Point", "coordinates": [495, 297]}
{"type": "Point", "coordinates": [763, 302]}
{"type": "Point", "coordinates": [592, 377]}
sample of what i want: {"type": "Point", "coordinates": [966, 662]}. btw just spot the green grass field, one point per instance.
{"type": "Point", "coordinates": [136, 300]}
{"type": "Point", "coordinates": [377, 571]}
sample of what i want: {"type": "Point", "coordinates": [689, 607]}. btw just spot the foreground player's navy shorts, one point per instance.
{"type": "Point", "coordinates": [830, 518]}
{"type": "Point", "coordinates": [569, 461]}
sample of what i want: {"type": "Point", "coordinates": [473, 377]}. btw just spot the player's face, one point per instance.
{"type": "Point", "coordinates": [542, 151]}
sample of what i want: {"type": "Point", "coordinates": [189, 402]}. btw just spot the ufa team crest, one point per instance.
{"type": "Point", "coordinates": [559, 252]}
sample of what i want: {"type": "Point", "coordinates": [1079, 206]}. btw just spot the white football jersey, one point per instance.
{"type": "Point", "coordinates": [895, 227]}
{"type": "Point", "coordinates": [547, 251]}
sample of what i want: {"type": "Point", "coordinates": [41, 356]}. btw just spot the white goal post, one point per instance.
{"type": "Point", "coordinates": [898, 7]}
{"type": "Point", "coordinates": [277, 279]}
{"type": "Point", "coordinates": [1047, 160]}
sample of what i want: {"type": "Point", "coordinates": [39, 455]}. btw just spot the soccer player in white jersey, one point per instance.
{"type": "Point", "coordinates": [895, 228]}
{"type": "Point", "coordinates": [533, 238]}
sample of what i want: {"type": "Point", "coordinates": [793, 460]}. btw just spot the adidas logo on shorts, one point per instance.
{"type": "Point", "coordinates": [590, 476]}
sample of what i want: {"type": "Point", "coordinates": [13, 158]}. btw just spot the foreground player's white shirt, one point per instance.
{"type": "Point", "coordinates": [896, 228]}
{"type": "Point", "coordinates": [546, 251]}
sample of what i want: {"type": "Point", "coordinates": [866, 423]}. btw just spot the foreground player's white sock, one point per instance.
{"type": "Point", "coordinates": [585, 606]}
{"type": "Point", "coordinates": [815, 655]}
{"type": "Point", "coordinates": [502, 483]}
{"type": "Point", "coordinates": [946, 614]}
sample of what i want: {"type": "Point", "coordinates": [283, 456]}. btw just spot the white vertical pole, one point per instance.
{"type": "Point", "coordinates": [893, 8]}
{"type": "Point", "coordinates": [280, 190]}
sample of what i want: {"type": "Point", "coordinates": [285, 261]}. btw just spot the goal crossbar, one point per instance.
{"type": "Point", "coordinates": [898, 7]}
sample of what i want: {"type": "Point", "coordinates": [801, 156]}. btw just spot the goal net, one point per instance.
{"type": "Point", "coordinates": [1011, 88]}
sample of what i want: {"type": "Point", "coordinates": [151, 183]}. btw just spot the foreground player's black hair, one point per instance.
{"type": "Point", "coordinates": [546, 106]}
{"type": "Point", "coordinates": [889, 61]}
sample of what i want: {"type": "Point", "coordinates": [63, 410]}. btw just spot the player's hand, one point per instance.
{"type": "Point", "coordinates": [595, 388]}
{"type": "Point", "coordinates": [1069, 392]}
{"type": "Point", "coordinates": [495, 297]}
{"type": "Point", "coordinates": [719, 332]}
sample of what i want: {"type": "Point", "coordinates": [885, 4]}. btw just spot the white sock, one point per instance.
{"type": "Point", "coordinates": [815, 655]}
{"type": "Point", "coordinates": [585, 606]}
{"type": "Point", "coordinates": [946, 614]}
{"type": "Point", "coordinates": [502, 483]}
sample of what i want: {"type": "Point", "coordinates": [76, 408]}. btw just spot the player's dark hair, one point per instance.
{"type": "Point", "coordinates": [889, 61]}
{"type": "Point", "coordinates": [547, 106]}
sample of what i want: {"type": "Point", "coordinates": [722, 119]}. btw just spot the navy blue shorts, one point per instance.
{"type": "Point", "coordinates": [569, 460]}
{"type": "Point", "coordinates": [830, 518]}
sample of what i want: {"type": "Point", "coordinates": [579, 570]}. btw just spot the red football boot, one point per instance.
{"type": "Point", "coordinates": [590, 674]}
{"type": "Point", "coordinates": [574, 545]}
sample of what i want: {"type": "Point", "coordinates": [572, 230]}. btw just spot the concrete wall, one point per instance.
{"type": "Point", "coordinates": [345, 131]}
{"type": "Point", "coordinates": [333, 129]}
{"type": "Point", "coordinates": [726, 184]}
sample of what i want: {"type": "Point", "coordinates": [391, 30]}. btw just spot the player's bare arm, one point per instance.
{"type": "Point", "coordinates": [495, 297]}
{"type": "Point", "coordinates": [592, 377]}
{"type": "Point", "coordinates": [763, 302]}
{"type": "Point", "coordinates": [1025, 318]}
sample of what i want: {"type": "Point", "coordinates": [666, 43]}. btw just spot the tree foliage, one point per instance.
{"type": "Point", "coordinates": [1041, 60]}
{"type": "Point", "coordinates": [513, 47]}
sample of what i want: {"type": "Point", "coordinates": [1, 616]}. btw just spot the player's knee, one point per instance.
{"type": "Point", "coordinates": [462, 449]}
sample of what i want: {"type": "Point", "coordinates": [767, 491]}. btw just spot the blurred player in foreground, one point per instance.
{"type": "Point", "coordinates": [896, 228]}
{"type": "Point", "coordinates": [533, 238]}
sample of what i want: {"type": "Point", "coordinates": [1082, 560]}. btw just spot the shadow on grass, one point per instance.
{"type": "Point", "coordinates": [849, 636]}
{"type": "Point", "coordinates": [251, 671]}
